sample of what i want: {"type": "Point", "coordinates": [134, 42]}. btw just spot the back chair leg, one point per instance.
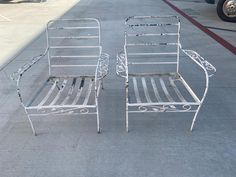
{"type": "Point", "coordinates": [102, 84]}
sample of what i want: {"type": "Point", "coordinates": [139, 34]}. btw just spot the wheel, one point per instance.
{"type": "Point", "coordinates": [226, 10]}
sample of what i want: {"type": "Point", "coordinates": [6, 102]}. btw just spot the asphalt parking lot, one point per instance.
{"type": "Point", "coordinates": [158, 144]}
{"type": "Point", "coordinates": [206, 15]}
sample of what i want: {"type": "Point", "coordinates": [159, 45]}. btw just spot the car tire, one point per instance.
{"type": "Point", "coordinates": [222, 10]}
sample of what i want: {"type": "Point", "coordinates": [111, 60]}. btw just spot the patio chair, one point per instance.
{"type": "Point", "coordinates": [150, 64]}
{"type": "Point", "coordinates": [76, 67]}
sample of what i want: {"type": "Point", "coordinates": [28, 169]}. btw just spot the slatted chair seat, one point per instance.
{"type": "Point", "coordinates": [77, 67]}
{"type": "Point", "coordinates": [61, 92]}
{"type": "Point", "coordinates": [160, 90]}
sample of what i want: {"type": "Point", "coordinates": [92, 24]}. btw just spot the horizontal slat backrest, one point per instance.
{"type": "Point", "coordinates": [74, 46]}
{"type": "Point", "coordinates": [152, 41]}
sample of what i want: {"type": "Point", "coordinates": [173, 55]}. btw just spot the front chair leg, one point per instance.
{"type": "Point", "coordinates": [98, 124]}
{"type": "Point", "coordinates": [127, 120]}
{"type": "Point", "coordinates": [31, 125]}
{"type": "Point", "coordinates": [126, 107]}
{"type": "Point", "coordinates": [98, 120]}
{"type": "Point", "coordinates": [194, 118]}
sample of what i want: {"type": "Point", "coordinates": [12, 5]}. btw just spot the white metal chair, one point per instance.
{"type": "Point", "coordinates": [150, 65]}
{"type": "Point", "coordinates": [77, 67]}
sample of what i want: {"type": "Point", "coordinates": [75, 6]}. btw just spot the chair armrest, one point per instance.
{"type": "Point", "coordinates": [121, 65]}
{"type": "Point", "coordinates": [102, 66]}
{"type": "Point", "coordinates": [204, 64]}
{"type": "Point", "coordinates": [17, 74]}
{"type": "Point", "coordinates": [208, 68]}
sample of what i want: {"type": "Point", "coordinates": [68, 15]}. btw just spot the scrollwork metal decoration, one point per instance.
{"type": "Point", "coordinates": [121, 67]}
{"type": "Point", "coordinates": [102, 67]}
{"type": "Point", "coordinates": [164, 108]}
{"type": "Point", "coordinates": [67, 111]}
{"type": "Point", "coordinates": [208, 66]}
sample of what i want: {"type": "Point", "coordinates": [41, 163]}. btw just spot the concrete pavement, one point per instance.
{"type": "Point", "coordinates": [158, 145]}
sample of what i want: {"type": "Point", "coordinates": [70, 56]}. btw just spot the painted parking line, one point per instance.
{"type": "Point", "coordinates": [217, 38]}
{"type": "Point", "coordinates": [221, 29]}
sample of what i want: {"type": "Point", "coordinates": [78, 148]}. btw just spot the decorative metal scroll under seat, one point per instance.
{"type": "Point", "coordinates": [150, 65]}
{"type": "Point", "coordinates": [77, 67]}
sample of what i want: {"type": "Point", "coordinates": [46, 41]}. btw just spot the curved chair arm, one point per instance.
{"type": "Point", "coordinates": [102, 66]}
{"type": "Point", "coordinates": [16, 76]}
{"type": "Point", "coordinates": [208, 67]}
{"type": "Point", "coordinates": [121, 65]}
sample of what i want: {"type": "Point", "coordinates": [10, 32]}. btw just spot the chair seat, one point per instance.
{"type": "Point", "coordinates": [160, 89]}
{"type": "Point", "coordinates": [58, 92]}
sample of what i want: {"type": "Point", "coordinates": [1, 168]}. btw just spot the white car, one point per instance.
{"type": "Point", "coordinates": [226, 9]}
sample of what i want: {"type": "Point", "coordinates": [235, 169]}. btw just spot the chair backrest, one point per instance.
{"type": "Point", "coordinates": [152, 44]}
{"type": "Point", "coordinates": [74, 46]}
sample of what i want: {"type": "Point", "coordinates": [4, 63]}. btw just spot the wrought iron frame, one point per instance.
{"type": "Point", "coordinates": [122, 70]}
{"type": "Point", "coordinates": [95, 81]}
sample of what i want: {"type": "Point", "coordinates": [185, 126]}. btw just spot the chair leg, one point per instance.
{"type": "Point", "coordinates": [194, 118]}
{"type": "Point", "coordinates": [102, 84]}
{"type": "Point", "coordinates": [31, 124]}
{"type": "Point", "coordinates": [98, 124]}
{"type": "Point", "coordinates": [98, 120]}
{"type": "Point", "coordinates": [127, 118]}
{"type": "Point", "coordinates": [126, 107]}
